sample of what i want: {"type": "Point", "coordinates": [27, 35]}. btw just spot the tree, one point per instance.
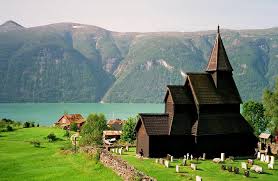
{"type": "Point", "coordinates": [92, 130]}
{"type": "Point", "coordinates": [253, 112]}
{"type": "Point", "coordinates": [270, 101]}
{"type": "Point", "coordinates": [26, 125]}
{"type": "Point", "coordinates": [128, 131]}
{"type": "Point", "coordinates": [73, 127]}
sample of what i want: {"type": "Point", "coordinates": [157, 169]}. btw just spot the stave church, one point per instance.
{"type": "Point", "coordinates": [201, 116]}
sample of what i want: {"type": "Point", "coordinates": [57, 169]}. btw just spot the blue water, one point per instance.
{"type": "Point", "coordinates": [48, 113]}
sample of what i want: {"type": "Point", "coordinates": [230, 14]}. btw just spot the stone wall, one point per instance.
{"type": "Point", "coordinates": [121, 167]}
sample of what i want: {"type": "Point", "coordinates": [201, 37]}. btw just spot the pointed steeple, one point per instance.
{"type": "Point", "coordinates": [218, 60]}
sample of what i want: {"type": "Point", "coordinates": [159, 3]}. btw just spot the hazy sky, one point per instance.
{"type": "Point", "coordinates": [144, 15]}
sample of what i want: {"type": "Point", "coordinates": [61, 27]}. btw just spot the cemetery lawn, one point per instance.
{"type": "Point", "coordinates": [206, 169]}
{"type": "Point", "coordinates": [19, 160]}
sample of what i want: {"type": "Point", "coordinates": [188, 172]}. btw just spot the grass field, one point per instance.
{"type": "Point", "coordinates": [208, 170]}
{"type": "Point", "coordinates": [19, 160]}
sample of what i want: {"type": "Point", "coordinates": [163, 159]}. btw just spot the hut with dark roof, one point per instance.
{"type": "Point", "coordinates": [201, 116]}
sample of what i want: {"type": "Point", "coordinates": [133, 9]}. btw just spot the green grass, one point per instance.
{"type": "Point", "coordinates": [206, 169]}
{"type": "Point", "coordinates": [19, 160]}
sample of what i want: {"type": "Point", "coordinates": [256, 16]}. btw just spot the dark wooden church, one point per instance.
{"type": "Point", "coordinates": [201, 116]}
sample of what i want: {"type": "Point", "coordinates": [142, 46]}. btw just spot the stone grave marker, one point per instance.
{"type": "Point", "coordinates": [184, 162]}
{"type": "Point", "coordinates": [166, 163]}
{"type": "Point", "coordinates": [127, 148]}
{"type": "Point", "coordinates": [187, 156]}
{"type": "Point", "coordinates": [272, 160]}
{"type": "Point", "coordinates": [177, 169]}
{"type": "Point", "coordinates": [259, 155]}
{"type": "Point", "coordinates": [156, 160]}
{"type": "Point", "coordinates": [120, 151]}
{"type": "Point", "coordinates": [198, 178]}
{"type": "Point", "coordinates": [250, 161]}
{"type": "Point", "coordinates": [204, 156]}
{"type": "Point", "coordinates": [112, 150]}
{"type": "Point", "coordinates": [262, 158]}
{"type": "Point", "coordinates": [244, 165]}
{"type": "Point", "coordinates": [267, 158]}
{"type": "Point", "coordinates": [171, 158]}
{"type": "Point", "coordinates": [257, 169]}
{"type": "Point", "coordinates": [193, 166]}
{"type": "Point", "coordinates": [191, 157]}
{"type": "Point", "coordinates": [222, 157]}
{"type": "Point", "coordinates": [168, 157]}
{"type": "Point", "coordinates": [270, 166]}
{"type": "Point", "coordinates": [116, 150]}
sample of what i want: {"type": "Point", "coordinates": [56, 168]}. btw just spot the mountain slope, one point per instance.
{"type": "Point", "coordinates": [70, 62]}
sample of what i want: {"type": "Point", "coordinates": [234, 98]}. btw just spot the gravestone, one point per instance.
{"type": "Point", "coordinates": [166, 163]}
{"type": "Point", "coordinates": [198, 178]}
{"type": "Point", "coordinates": [112, 150]}
{"type": "Point", "coordinates": [161, 161]}
{"type": "Point", "coordinates": [272, 160]}
{"type": "Point", "coordinates": [184, 162]}
{"type": "Point", "coordinates": [204, 156]}
{"type": "Point", "coordinates": [262, 158]}
{"type": "Point", "coordinates": [236, 170]}
{"type": "Point", "coordinates": [184, 156]}
{"type": "Point", "coordinates": [177, 169]}
{"type": "Point", "coordinates": [168, 157]}
{"type": "Point", "coordinates": [243, 165]}
{"type": "Point", "coordinates": [127, 148]}
{"type": "Point", "coordinates": [246, 173]}
{"type": "Point", "coordinates": [259, 155]}
{"type": "Point", "coordinates": [257, 169]}
{"type": "Point", "coordinates": [250, 161]}
{"type": "Point", "coordinates": [156, 160]}
{"type": "Point", "coordinates": [230, 168]}
{"type": "Point", "coordinates": [216, 160]}
{"type": "Point", "coordinates": [171, 158]}
{"type": "Point", "coordinates": [222, 157]}
{"type": "Point", "coordinates": [116, 150]}
{"type": "Point", "coordinates": [187, 156]}
{"type": "Point", "coordinates": [270, 166]}
{"type": "Point", "coordinates": [193, 166]}
{"type": "Point", "coordinates": [191, 157]}
{"type": "Point", "coordinates": [120, 151]}
{"type": "Point", "coordinates": [267, 159]}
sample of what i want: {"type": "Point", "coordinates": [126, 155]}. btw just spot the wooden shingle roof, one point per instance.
{"type": "Point", "coordinates": [218, 59]}
{"type": "Point", "coordinates": [155, 124]}
{"type": "Point", "coordinates": [179, 94]}
{"type": "Point", "coordinates": [212, 124]}
{"type": "Point", "coordinates": [205, 92]}
{"type": "Point", "coordinates": [181, 124]}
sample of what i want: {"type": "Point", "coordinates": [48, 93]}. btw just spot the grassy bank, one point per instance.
{"type": "Point", "coordinates": [19, 160]}
{"type": "Point", "coordinates": [206, 169]}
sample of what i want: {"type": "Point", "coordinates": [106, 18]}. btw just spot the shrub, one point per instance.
{"type": "Point", "coordinates": [36, 143]}
{"type": "Point", "coordinates": [51, 137]}
{"type": "Point", "coordinates": [9, 128]}
{"type": "Point", "coordinates": [26, 125]}
{"type": "Point", "coordinates": [38, 125]}
{"type": "Point", "coordinates": [32, 124]}
{"type": "Point", "coordinates": [73, 127]}
{"type": "Point", "coordinates": [67, 134]}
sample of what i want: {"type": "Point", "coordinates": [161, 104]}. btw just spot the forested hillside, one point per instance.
{"type": "Point", "coordinates": [69, 62]}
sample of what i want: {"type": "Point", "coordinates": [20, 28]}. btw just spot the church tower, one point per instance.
{"type": "Point", "coordinates": [219, 66]}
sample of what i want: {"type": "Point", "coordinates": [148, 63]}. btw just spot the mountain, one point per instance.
{"type": "Point", "coordinates": [71, 62]}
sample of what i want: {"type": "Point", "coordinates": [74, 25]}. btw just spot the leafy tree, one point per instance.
{"type": "Point", "coordinates": [9, 128]}
{"type": "Point", "coordinates": [32, 124]}
{"type": "Point", "coordinates": [73, 127]}
{"type": "Point", "coordinates": [92, 130]}
{"type": "Point", "coordinates": [38, 125]}
{"type": "Point", "coordinates": [128, 132]}
{"type": "Point", "coordinates": [254, 114]}
{"type": "Point", "coordinates": [270, 101]}
{"type": "Point", "coordinates": [26, 125]}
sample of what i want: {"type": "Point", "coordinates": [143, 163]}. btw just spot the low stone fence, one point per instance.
{"type": "Point", "coordinates": [121, 167]}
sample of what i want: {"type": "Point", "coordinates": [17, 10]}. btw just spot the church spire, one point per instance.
{"type": "Point", "coordinates": [218, 60]}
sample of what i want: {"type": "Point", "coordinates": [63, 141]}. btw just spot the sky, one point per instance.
{"type": "Point", "coordinates": [145, 15]}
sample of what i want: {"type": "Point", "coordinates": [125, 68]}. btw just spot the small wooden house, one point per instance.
{"type": "Point", "coordinates": [67, 119]}
{"type": "Point", "coordinates": [201, 116]}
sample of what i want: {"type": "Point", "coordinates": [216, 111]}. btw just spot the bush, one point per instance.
{"type": "Point", "coordinates": [67, 134]}
{"type": "Point", "coordinates": [51, 137]}
{"type": "Point", "coordinates": [38, 125]}
{"type": "Point", "coordinates": [32, 124]}
{"type": "Point", "coordinates": [73, 127]}
{"type": "Point", "coordinates": [9, 128]}
{"type": "Point", "coordinates": [26, 125]}
{"type": "Point", "coordinates": [36, 143]}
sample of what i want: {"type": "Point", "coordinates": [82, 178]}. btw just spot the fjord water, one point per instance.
{"type": "Point", "coordinates": [48, 113]}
